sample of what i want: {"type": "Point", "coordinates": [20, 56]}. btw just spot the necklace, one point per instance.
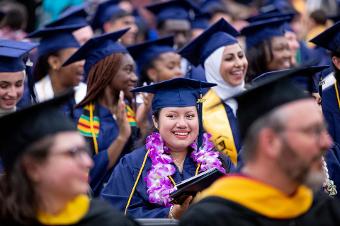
{"type": "Point", "coordinates": [159, 178]}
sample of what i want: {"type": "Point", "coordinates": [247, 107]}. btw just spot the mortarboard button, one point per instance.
{"type": "Point", "coordinates": [12, 53]}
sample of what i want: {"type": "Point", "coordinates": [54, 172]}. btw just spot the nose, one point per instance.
{"type": "Point", "coordinates": [12, 91]}
{"type": "Point", "coordinates": [178, 72]}
{"type": "Point", "coordinates": [181, 122]}
{"type": "Point", "coordinates": [326, 140]}
{"type": "Point", "coordinates": [86, 161]}
{"type": "Point", "coordinates": [133, 77]}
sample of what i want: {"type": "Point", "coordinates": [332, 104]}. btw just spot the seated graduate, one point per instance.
{"type": "Point", "coordinates": [141, 183]}
{"type": "Point", "coordinates": [12, 73]}
{"type": "Point", "coordinates": [225, 64]}
{"type": "Point", "coordinates": [102, 116]}
{"type": "Point", "coordinates": [46, 163]}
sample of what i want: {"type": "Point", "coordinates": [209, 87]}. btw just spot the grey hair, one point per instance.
{"type": "Point", "coordinates": [274, 119]}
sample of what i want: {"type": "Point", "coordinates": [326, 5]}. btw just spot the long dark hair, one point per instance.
{"type": "Point", "coordinates": [18, 196]}
{"type": "Point", "coordinates": [258, 58]}
{"type": "Point", "coordinates": [100, 76]}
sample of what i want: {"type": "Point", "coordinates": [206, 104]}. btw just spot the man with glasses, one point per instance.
{"type": "Point", "coordinates": [285, 138]}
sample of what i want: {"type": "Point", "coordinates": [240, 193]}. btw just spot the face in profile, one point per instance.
{"type": "Point", "coordinates": [72, 74]}
{"type": "Point", "coordinates": [234, 65]}
{"type": "Point", "coordinates": [303, 143]}
{"type": "Point", "coordinates": [165, 67]}
{"type": "Point", "coordinates": [11, 89]}
{"type": "Point", "coordinates": [178, 126]}
{"type": "Point", "coordinates": [126, 78]}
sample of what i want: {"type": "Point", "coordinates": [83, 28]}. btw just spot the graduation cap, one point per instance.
{"type": "Point", "coordinates": [329, 39]}
{"type": "Point", "coordinates": [98, 48]}
{"type": "Point", "coordinates": [219, 34]}
{"type": "Point", "coordinates": [146, 52]}
{"type": "Point", "coordinates": [12, 53]}
{"type": "Point", "coordinates": [266, 95]}
{"type": "Point", "coordinates": [176, 9]}
{"type": "Point", "coordinates": [74, 15]}
{"type": "Point", "coordinates": [259, 31]}
{"type": "Point", "coordinates": [304, 78]}
{"type": "Point", "coordinates": [271, 15]}
{"type": "Point", "coordinates": [105, 12]}
{"type": "Point", "coordinates": [177, 92]}
{"type": "Point", "coordinates": [53, 39]}
{"type": "Point", "coordinates": [212, 6]}
{"type": "Point", "coordinates": [201, 21]}
{"type": "Point", "coordinates": [22, 128]}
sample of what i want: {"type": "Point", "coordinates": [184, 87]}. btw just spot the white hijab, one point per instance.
{"type": "Point", "coordinates": [5, 111]}
{"type": "Point", "coordinates": [223, 89]}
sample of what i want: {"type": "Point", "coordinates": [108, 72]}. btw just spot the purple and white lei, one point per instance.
{"type": "Point", "coordinates": [159, 186]}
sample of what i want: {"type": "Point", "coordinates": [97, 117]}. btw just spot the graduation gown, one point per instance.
{"type": "Point", "coordinates": [331, 111]}
{"type": "Point", "coordinates": [108, 132]}
{"type": "Point", "coordinates": [332, 158]}
{"type": "Point", "coordinates": [99, 214]}
{"type": "Point", "coordinates": [248, 202]}
{"type": "Point", "coordinates": [123, 178]}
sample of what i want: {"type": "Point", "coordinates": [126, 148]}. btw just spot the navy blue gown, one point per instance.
{"type": "Point", "coordinates": [108, 132]}
{"type": "Point", "coordinates": [119, 186]}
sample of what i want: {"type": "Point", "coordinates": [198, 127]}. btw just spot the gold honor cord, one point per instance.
{"type": "Point", "coordinates": [95, 144]}
{"type": "Point", "coordinates": [337, 93]}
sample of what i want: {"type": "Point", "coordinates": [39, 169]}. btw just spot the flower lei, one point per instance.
{"type": "Point", "coordinates": [158, 183]}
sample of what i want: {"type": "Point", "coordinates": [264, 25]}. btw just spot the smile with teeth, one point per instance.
{"type": "Point", "coordinates": [181, 133]}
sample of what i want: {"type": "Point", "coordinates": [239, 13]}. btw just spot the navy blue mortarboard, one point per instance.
{"type": "Point", "coordinates": [176, 9]}
{"type": "Point", "coordinates": [219, 34]}
{"type": "Point", "coordinates": [22, 128]}
{"type": "Point", "coordinates": [212, 6]}
{"type": "Point", "coordinates": [267, 95]}
{"type": "Point", "coordinates": [201, 21]}
{"type": "Point", "coordinates": [53, 39]}
{"type": "Point", "coordinates": [329, 39]}
{"type": "Point", "coordinates": [304, 78]}
{"type": "Point", "coordinates": [105, 12]}
{"type": "Point", "coordinates": [98, 48]}
{"type": "Point", "coordinates": [271, 15]}
{"type": "Point", "coordinates": [259, 31]}
{"type": "Point", "coordinates": [177, 92]}
{"type": "Point", "coordinates": [74, 15]}
{"type": "Point", "coordinates": [12, 53]}
{"type": "Point", "coordinates": [145, 53]}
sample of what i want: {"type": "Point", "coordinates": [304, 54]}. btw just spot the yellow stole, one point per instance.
{"type": "Point", "coordinates": [71, 214]}
{"type": "Point", "coordinates": [260, 197]}
{"type": "Point", "coordinates": [216, 122]}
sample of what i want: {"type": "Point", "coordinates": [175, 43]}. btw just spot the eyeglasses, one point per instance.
{"type": "Point", "coordinates": [312, 131]}
{"type": "Point", "coordinates": [74, 152]}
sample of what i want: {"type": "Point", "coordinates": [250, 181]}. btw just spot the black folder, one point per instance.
{"type": "Point", "coordinates": [191, 186]}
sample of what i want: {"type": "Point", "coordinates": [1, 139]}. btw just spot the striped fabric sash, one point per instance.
{"type": "Point", "coordinates": [131, 116]}
{"type": "Point", "coordinates": [84, 123]}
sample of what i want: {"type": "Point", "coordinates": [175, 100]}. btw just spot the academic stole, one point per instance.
{"type": "Point", "coordinates": [216, 122]}
{"type": "Point", "coordinates": [89, 124]}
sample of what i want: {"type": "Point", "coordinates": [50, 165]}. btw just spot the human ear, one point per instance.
{"type": "Point", "coordinates": [155, 123]}
{"type": "Point", "coordinates": [54, 62]}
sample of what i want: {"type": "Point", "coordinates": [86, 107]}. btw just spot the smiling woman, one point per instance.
{"type": "Point", "coordinates": [101, 116]}
{"type": "Point", "coordinates": [12, 73]}
{"type": "Point", "coordinates": [177, 151]}
{"type": "Point", "coordinates": [46, 178]}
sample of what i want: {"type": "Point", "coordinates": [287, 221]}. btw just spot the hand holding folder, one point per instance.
{"type": "Point", "coordinates": [194, 184]}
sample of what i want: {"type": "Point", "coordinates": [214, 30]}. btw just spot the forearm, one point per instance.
{"type": "Point", "coordinates": [116, 149]}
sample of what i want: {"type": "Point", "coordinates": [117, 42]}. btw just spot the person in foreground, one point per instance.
{"type": "Point", "coordinates": [142, 181]}
{"type": "Point", "coordinates": [46, 171]}
{"type": "Point", "coordinates": [284, 140]}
